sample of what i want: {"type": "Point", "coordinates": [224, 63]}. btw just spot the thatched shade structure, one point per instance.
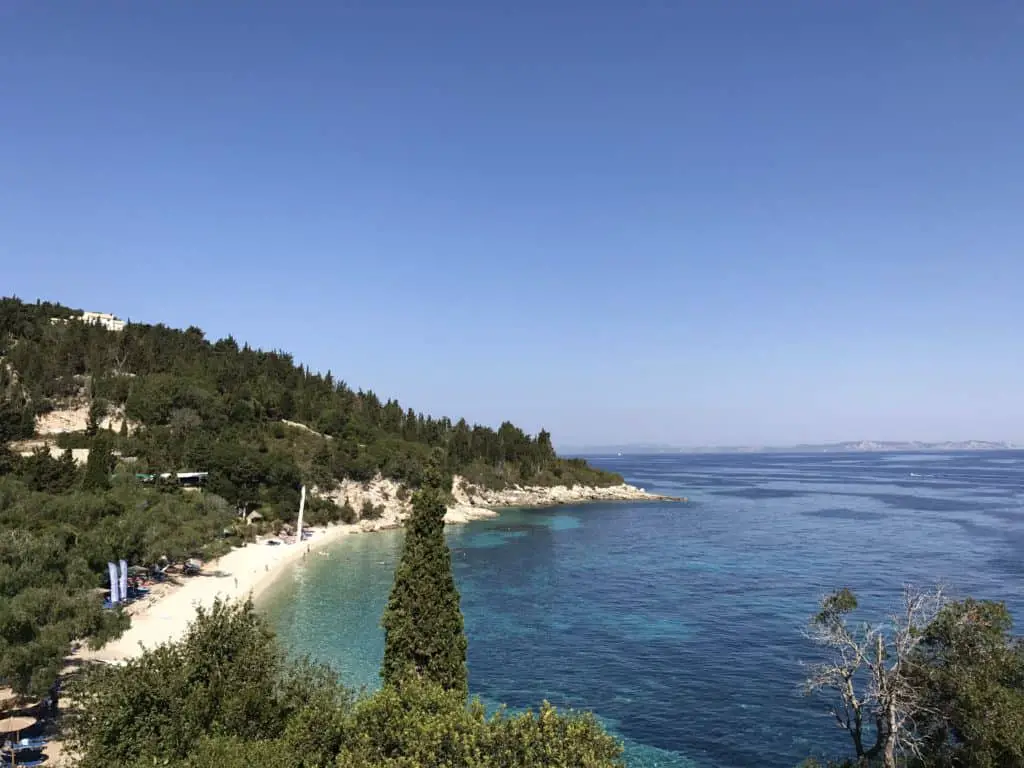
{"type": "Point", "coordinates": [16, 724]}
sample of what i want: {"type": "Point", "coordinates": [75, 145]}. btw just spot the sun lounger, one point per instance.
{"type": "Point", "coordinates": [36, 743]}
{"type": "Point", "coordinates": [17, 749]}
{"type": "Point", "coordinates": [6, 755]}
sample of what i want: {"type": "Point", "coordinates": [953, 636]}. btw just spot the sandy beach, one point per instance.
{"type": "Point", "coordinates": [164, 616]}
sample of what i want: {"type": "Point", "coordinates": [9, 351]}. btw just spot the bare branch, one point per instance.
{"type": "Point", "coordinates": [881, 656]}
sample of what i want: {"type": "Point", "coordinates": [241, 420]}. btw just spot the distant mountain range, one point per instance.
{"type": "Point", "coordinates": [857, 446]}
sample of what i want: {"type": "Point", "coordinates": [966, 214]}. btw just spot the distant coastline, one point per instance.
{"type": "Point", "coordinates": [857, 446]}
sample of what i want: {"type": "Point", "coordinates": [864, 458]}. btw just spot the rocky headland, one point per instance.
{"type": "Point", "coordinates": [470, 502]}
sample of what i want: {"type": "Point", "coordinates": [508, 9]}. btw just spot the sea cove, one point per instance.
{"type": "Point", "coordinates": [679, 625]}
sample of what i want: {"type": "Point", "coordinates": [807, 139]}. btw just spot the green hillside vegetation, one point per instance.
{"type": "Point", "coordinates": [219, 407]}
{"type": "Point", "coordinates": [194, 405]}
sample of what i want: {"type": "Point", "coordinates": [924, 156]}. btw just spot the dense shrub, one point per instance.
{"type": "Point", "coordinates": [227, 696]}
{"type": "Point", "coordinates": [371, 511]}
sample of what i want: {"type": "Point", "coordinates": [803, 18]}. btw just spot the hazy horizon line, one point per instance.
{"type": "Point", "coordinates": [853, 445]}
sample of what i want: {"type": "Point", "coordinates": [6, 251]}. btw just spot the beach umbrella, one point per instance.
{"type": "Point", "coordinates": [11, 703]}
{"type": "Point", "coordinates": [15, 724]}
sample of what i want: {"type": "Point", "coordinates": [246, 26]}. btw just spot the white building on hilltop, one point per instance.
{"type": "Point", "coordinates": [108, 321]}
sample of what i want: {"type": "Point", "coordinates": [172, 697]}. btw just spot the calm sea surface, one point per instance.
{"type": "Point", "coordinates": [679, 624]}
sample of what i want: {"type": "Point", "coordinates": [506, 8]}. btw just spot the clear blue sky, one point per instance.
{"type": "Point", "coordinates": [691, 222]}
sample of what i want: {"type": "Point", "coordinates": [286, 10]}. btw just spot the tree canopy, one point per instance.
{"type": "Point", "coordinates": [970, 669]}
{"type": "Point", "coordinates": [223, 407]}
{"type": "Point", "coordinates": [939, 685]}
{"type": "Point", "coordinates": [423, 622]}
{"type": "Point", "coordinates": [226, 695]}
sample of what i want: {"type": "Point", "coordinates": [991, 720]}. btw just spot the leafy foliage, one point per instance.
{"type": "Point", "coordinates": [226, 696]}
{"type": "Point", "coordinates": [99, 465]}
{"type": "Point", "coordinates": [371, 511]}
{"type": "Point", "coordinates": [972, 670]}
{"type": "Point", "coordinates": [945, 692]}
{"type": "Point", "coordinates": [44, 605]}
{"type": "Point", "coordinates": [227, 677]}
{"type": "Point", "coordinates": [41, 472]}
{"type": "Point", "coordinates": [54, 546]}
{"type": "Point", "coordinates": [421, 724]}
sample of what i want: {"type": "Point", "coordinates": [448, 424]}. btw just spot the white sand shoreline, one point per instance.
{"type": "Point", "coordinates": [243, 572]}
{"type": "Point", "coordinates": [248, 571]}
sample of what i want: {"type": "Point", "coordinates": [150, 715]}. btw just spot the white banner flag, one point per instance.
{"type": "Point", "coordinates": [302, 508]}
{"type": "Point", "coordinates": [114, 591]}
{"type": "Point", "coordinates": [124, 580]}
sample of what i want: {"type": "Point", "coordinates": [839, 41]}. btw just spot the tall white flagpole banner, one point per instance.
{"type": "Point", "coordinates": [124, 580]}
{"type": "Point", "coordinates": [112, 569]}
{"type": "Point", "coordinates": [302, 508]}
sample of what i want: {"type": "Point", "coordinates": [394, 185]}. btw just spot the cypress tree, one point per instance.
{"type": "Point", "coordinates": [423, 629]}
{"type": "Point", "coordinates": [97, 410]}
{"type": "Point", "coordinates": [98, 465]}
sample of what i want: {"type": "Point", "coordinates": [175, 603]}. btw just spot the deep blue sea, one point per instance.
{"type": "Point", "coordinates": [679, 625]}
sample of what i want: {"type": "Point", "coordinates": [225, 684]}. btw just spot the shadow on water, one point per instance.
{"type": "Point", "coordinates": [760, 493]}
{"type": "Point", "coordinates": [842, 513]}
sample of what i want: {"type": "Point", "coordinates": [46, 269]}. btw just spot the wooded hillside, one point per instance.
{"type": "Point", "coordinates": [220, 407]}
{"type": "Point", "coordinates": [153, 399]}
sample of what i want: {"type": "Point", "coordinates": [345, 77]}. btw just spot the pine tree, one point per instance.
{"type": "Point", "coordinates": [8, 461]}
{"type": "Point", "coordinates": [98, 466]}
{"type": "Point", "coordinates": [97, 411]}
{"type": "Point", "coordinates": [423, 622]}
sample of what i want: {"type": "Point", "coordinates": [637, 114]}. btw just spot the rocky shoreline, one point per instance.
{"type": "Point", "coordinates": [550, 496]}
{"type": "Point", "coordinates": [474, 503]}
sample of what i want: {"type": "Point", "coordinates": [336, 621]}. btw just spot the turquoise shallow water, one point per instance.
{"type": "Point", "coordinates": [679, 625]}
